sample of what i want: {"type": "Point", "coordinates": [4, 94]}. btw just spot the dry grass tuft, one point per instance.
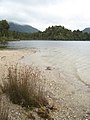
{"type": "Point", "coordinates": [24, 87]}
{"type": "Point", "coordinates": [4, 110]}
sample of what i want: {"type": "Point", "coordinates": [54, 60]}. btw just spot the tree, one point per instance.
{"type": "Point", "coordinates": [4, 26]}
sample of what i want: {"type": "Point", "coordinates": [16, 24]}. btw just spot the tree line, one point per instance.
{"type": "Point", "coordinates": [51, 33]}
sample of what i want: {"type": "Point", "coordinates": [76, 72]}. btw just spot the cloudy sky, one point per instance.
{"type": "Point", "coordinates": [73, 14]}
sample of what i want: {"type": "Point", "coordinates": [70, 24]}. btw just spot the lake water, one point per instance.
{"type": "Point", "coordinates": [70, 56]}
{"type": "Point", "coordinates": [44, 44]}
{"type": "Point", "coordinates": [79, 47]}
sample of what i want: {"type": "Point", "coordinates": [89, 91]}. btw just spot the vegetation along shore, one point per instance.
{"type": "Point", "coordinates": [51, 33]}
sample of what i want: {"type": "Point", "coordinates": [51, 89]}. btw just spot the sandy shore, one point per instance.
{"type": "Point", "coordinates": [66, 81]}
{"type": "Point", "coordinates": [10, 57]}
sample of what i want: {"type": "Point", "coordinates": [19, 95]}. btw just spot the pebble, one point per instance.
{"type": "Point", "coordinates": [48, 68]}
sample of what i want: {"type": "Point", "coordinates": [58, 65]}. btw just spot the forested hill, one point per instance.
{"type": "Point", "coordinates": [22, 28]}
{"type": "Point", "coordinates": [60, 33]}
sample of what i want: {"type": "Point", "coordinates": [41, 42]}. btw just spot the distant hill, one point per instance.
{"type": "Point", "coordinates": [86, 30]}
{"type": "Point", "coordinates": [22, 28]}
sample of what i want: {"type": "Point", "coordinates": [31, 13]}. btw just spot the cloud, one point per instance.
{"type": "Point", "coordinates": [72, 14]}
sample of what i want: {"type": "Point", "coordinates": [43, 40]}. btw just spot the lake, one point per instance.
{"type": "Point", "coordinates": [44, 44]}
{"type": "Point", "coordinates": [70, 56]}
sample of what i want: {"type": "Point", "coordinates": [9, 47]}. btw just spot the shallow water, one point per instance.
{"type": "Point", "coordinates": [70, 56]}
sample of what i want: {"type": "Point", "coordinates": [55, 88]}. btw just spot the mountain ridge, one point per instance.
{"type": "Point", "coordinates": [87, 30]}
{"type": "Point", "coordinates": [22, 28]}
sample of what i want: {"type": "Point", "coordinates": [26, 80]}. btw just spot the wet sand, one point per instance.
{"type": "Point", "coordinates": [67, 77]}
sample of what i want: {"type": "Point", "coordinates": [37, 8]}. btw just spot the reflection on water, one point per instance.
{"type": "Point", "coordinates": [3, 45]}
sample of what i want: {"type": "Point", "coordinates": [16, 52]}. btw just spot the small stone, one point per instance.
{"type": "Point", "coordinates": [48, 68]}
{"type": "Point", "coordinates": [74, 116]}
{"type": "Point", "coordinates": [88, 113]}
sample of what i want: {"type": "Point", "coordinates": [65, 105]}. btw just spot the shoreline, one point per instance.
{"type": "Point", "coordinates": [69, 93]}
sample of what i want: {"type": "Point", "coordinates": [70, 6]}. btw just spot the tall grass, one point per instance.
{"type": "Point", "coordinates": [24, 87]}
{"type": "Point", "coordinates": [4, 110]}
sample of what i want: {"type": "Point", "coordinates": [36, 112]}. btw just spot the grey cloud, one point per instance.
{"type": "Point", "coordinates": [41, 13]}
{"type": "Point", "coordinates": [31, 2]}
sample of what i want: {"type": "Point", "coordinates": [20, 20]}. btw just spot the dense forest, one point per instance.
{"type": "Point", "coordinates": [51, 33]}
